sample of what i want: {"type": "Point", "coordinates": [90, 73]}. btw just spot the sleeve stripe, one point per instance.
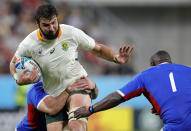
{"type": "Point", "coordinates": [120, 93]}
{"type": "Point", "coordinates": [42, 100]}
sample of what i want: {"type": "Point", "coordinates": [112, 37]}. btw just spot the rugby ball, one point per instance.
{"type": "Point", "coordinates": [26, 63]}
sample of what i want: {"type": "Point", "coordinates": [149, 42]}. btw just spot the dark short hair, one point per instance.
{"type": "Point", "coordinates": [160, 57]}
{"type": "Point", "coordinates": [162, 54]}
{"type": "Point", "coordinates": [45, 11]}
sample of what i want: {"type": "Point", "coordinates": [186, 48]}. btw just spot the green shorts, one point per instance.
{"type": "Point", "coordinates": [62, 115]}
{"type": "Point", "coordinates": [81, 92]}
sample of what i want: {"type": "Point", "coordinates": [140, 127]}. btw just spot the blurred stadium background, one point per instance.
{"type": "Point", "coordinates": [148, 24]}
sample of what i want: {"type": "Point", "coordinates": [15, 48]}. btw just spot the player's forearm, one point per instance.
{"type": "Point", "coordinates": [108, 102]}
{"type": "Point", "coordinates": [58, 103]}
{"type": "Point", "coordinates": [104, 52]}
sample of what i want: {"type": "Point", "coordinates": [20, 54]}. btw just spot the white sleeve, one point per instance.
{"type": "Point", "coordinates": [41, 101]}
{"type": "Point", "coordinates": [24, 48]}
{"type": "Point", "coordinates": [84, 41]}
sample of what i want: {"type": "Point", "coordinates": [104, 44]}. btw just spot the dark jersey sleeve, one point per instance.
{"type": "Point", "coordinates": [36, 94]}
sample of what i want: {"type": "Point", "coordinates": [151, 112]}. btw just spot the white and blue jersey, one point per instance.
{"type": "Point", "coordinates": [168, 88]}
{"type": "Point", "coordinates": [34, 119]}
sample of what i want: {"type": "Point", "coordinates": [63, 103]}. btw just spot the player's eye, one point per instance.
{"type": "Point", "coordinates": [45, 25]}
{"type": "Point", "coordinates": [53, 23]}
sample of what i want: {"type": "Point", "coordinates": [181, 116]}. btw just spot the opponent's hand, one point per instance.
{"type": "Point", "coordinates": [91, 84]}
{"type": "Point", "coordinates": [79, 84]}
{"type": "Point", "coordinates": [25, 78]}
{"type": "Point", "coordinates": [82, 112]}
{"type": "Point", "coordinates": [84, 83]}
{"type": "Point", "coordinates": [124, 54]}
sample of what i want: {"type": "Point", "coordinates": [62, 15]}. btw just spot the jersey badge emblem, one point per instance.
{"type": "Point", "coordinates": [65, 46]}
{"type": "Point", "coordinates": [52, 50]}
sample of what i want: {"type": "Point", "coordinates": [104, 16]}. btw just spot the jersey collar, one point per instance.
{"type": "Point", "coordinates": [41, 38]}
{"type": "Point", "coordinates": [164, 63]}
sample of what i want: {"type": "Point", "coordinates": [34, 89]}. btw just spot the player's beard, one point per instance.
{"type": "Point", "coordinates": [49, 35]}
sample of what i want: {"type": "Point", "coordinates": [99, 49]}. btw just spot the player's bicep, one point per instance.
{"type": "Point", "coordinates": [44, 104]}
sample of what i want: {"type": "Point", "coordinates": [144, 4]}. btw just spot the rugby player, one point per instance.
{"type": "Point", "coordinates": [54, 47]}
{"type": "Point", "coordinates": [167, 86]}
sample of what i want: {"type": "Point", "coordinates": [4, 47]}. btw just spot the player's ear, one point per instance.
{"type": "Point", "coordinates": [152, 63]}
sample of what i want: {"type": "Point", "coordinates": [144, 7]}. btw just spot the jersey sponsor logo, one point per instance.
{"type": "Point", "coordinates": [65, 46]}
{"type": "Point", "coordinates": [52, 50]}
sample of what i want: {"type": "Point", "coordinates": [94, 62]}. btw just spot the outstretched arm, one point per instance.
{"type": "Point", "coordinates": [104, 52]}
{"type": "Point", "coordinates": [108, 102]}
{"type": "Point", "coordinates": [100, 50]}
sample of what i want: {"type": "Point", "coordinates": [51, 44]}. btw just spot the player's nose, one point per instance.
{"type": "Point", "coordinates": [51, 28]}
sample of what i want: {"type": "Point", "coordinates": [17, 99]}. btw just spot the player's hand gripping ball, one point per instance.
{"type": "Point", "coordinates": [26, 63]}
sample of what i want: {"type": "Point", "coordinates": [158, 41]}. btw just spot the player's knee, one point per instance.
{"type": "Point", "coordinates": [77, 125]}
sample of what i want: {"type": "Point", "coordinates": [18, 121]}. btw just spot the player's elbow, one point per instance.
{"type": "Point", "coordinates": [97, 49]}
{"type": "Point", "coordinates": [49, 105]}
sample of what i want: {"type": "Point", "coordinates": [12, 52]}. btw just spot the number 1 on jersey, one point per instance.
{"type": "Point", "coordinates": [172, 82]}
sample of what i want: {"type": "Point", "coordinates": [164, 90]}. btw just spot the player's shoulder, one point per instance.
{"type": "Point", "coordinates": [30, 39]}
{"type": "Point", "coordinates": [65, 27]}
{"type": "Point", "coordinates": [181, 66]}
{"type": "Point", "coordinates": [148, 71]}
{"type": "Point", "coordinates": [167, 66]}
{"type": "Point", "coordinates": [173, 66]}
{"type": "Point", "coordinates": [32, 35]}
{"type": "Point", "coordinates": [68, 29]}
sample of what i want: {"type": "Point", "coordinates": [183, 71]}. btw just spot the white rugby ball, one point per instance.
{"type": "Point", "coordinates": [26, 63]}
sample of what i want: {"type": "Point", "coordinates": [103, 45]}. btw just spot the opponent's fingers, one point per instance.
{"type": "Point", "coordinates": [82, 112]}
{"type": "Point", "coordinates": [77, 88]}
{"type": "Point", "coordinates": [82, 87]}
{"type": "Point", "coordinates": [77, 115]}
{"type": "Point", "coordinates": [88, 91]}
{"type": "Point", "coordinates": [82, 82]}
